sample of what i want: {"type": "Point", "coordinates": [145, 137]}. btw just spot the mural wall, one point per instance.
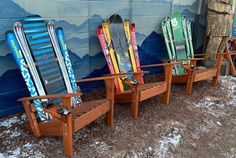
{"type": "Point", "coordinates": [80, 19]}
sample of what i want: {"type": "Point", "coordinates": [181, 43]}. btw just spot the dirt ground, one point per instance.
{"type": "Point", "coordinates": [201, 125]}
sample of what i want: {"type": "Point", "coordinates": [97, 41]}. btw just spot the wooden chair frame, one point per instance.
{"type": "Point", "coordinates": [229, 54]}
{"type": "Point", "coordinates": [193, 74]}
{"type": "Point", "coordinates": [65, 125]}
{"type": "Point", "coordinates": [140, 92]}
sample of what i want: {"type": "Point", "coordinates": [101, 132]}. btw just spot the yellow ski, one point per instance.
{"type": "Point", "coordinates": [131, 53]}
{"type": "Point", "coordinates": [105, 27]}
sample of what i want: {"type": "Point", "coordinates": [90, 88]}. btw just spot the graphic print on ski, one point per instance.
{"type": "Point", "coordinates": [24, 69]}
{"type": "Point", "coordinates": [131, 40]}
{"type": "Point", "coordinates": [120, 44]}
{"type": "Point", "coordinates": [177, 34]}
{"type": "Point", "coordinates": [108, 52]}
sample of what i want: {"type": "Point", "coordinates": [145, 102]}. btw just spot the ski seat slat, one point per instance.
{"type": "Point", "coordinates": [43, 51]}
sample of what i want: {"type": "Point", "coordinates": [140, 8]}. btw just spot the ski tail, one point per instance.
{"type": "Point", "coordinates": [17, 54]}
{"type": "Point", "coordinates": [135, 49]}
{"type": "Point", "coordinates": [106, 32]}
{"type": "Point", "coordinates": [65, 53]}
{"type": "Point", "coordinates": [107, 55]}
{"type": "Point", "coordinates": [128, 38]}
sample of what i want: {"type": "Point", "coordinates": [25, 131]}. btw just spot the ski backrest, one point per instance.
{"type": "Point", "coordinates": [43, 50]}
{"type": "Point", "coordinates": [119, 46]}
{"type": "Point", "coordinates": [181, 34]}
{"type": "Point", "coordinates": [178, 38]}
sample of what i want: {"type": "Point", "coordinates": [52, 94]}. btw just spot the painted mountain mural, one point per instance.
{"type": "Point", "coordinates": [84, 50]}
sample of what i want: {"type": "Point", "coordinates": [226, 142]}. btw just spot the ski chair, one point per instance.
{"type": "Point", "coordinates": [230, 55]}
{"type": "Point", "coordinates": [178, 38]}
{"type": "Point", "coordinates": [118, 42]}
{"type": "Point", "coordinates": [55, 107]}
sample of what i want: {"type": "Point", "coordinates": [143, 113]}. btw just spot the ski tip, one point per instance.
{"type": "Point", "coordinates": [115, 18]}
{"type": "Point", "coordinates": [17, 24]}
{"type": "Point", "coordinates": [50, 23]}
{"type": "Point", "coordinates": [99, 30]}
{"type": "Point", "coordinates": [60, 29]}
{"type": "Point", "coordinates": [8, 33]}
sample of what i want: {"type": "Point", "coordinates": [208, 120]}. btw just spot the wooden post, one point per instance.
{"type": "Point", "coordinates": [218, 67]}
{"type": "Point", "coordinates": [229, 59]}
{"type": "Point", "coordinates": [139, 77]}
{"type": "Point", "coordinates": [193, 62]}
{"type": "Point", "coordinates": [168, 78]}
{"type": "Point", "coordinates": [190, 80]}
{"type": "Point", "coordinates": [109, 119]}
{"type": "Point", "coordinates": [67, 129]}
{"type": "Point", "coordinates": [135, 102]}
{"type": "Point", "coordinates": [32, 119]}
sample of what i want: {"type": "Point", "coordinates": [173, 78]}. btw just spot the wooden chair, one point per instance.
{"type": "Point", "coordinates": [47, 52]}
{"type": "Point", "coordinates": [187, 71]}
{"type": "Point", "coordinates": [80, 116]}
{"type": "Point", "coordinates": [142, 91]}
{"type": "Point", "coordinates": [132, 93]}
{"type": "Point", "coordinates": [230, 55]}
{"type": "Point", "coordinates": [194, 73]}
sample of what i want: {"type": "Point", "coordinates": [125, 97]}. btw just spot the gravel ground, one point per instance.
{"type": "Point", "coordinates": [200, 125]}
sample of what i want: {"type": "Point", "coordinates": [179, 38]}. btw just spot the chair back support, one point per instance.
{"type": "Point", "coordinates": [178, 38]}
{"type": "Point", "coordinates": [118, 42]}
{"type": "Point", "coordinates": [42, 57]}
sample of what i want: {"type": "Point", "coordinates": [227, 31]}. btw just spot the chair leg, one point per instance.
{"type": "Point", "coordinates": [189, 86]}
{"type": "Point", "coordinates": [166, 97]}
{"type": "Point", "coordinates": [67, 136]}
{"type": "Point", "coordinates": [214, 81]}
{"type": "Point", "coordinates": [109, 119]}
{"type": "Point", "coordinates": [134, 105]}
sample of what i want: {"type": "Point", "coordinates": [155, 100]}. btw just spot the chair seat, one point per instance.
{"type": "Point", "coordinates": [85, 107]}
{"type": "Point", "coordinates": [82, 115]}
{"type": "Point", "coordinates": [203, 74]}
{"type": "Point", "coordinates": [146, 91]}
{"type": "Point", "coordinates": [200, 74]}
{"type": "Point", "coordinates": [88, 112]}
{"type": "Point", "coordinates": [149, 90]}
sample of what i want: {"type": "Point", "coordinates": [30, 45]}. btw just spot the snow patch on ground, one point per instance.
{"type": "Point", "coordinates": [11, 133]}
{"type": "Point", "coordinates": [228, 84]}
{"type": "Point", "coordinates": [231, 153]}
{"type": "Point", "coordinates": [9, 122]}
{"type": "Point", "coordinates": [203, 128]}
{"type": "Point", "coordinates": [214, 105]}
{"type": "Point", "coordinates": [100, 146]}
{"type": "Point", "coordinates": [171, 139]}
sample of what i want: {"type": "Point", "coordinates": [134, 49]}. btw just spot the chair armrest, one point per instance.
{"type": "Point", "coordinates": [199, 55]}
{"type": "Point", "coordinates": [107, 77]}
{"type": "Point", "coordinates": [232, 39]}
{"type": "Point", "coordinates": [191, 59]}
{"type": "Point", "coordinates": [187, 68]}
{"type": "Point", "coordinates": [132, 87]}
{"type": "Point", "coordinates": [51, 96]}
{"type": "Point", "coordinates": [157, 65]}
{"type": "Point", "coordinates": [233, 52]}
{"type": "Point", "coordinates": [128, 73]}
